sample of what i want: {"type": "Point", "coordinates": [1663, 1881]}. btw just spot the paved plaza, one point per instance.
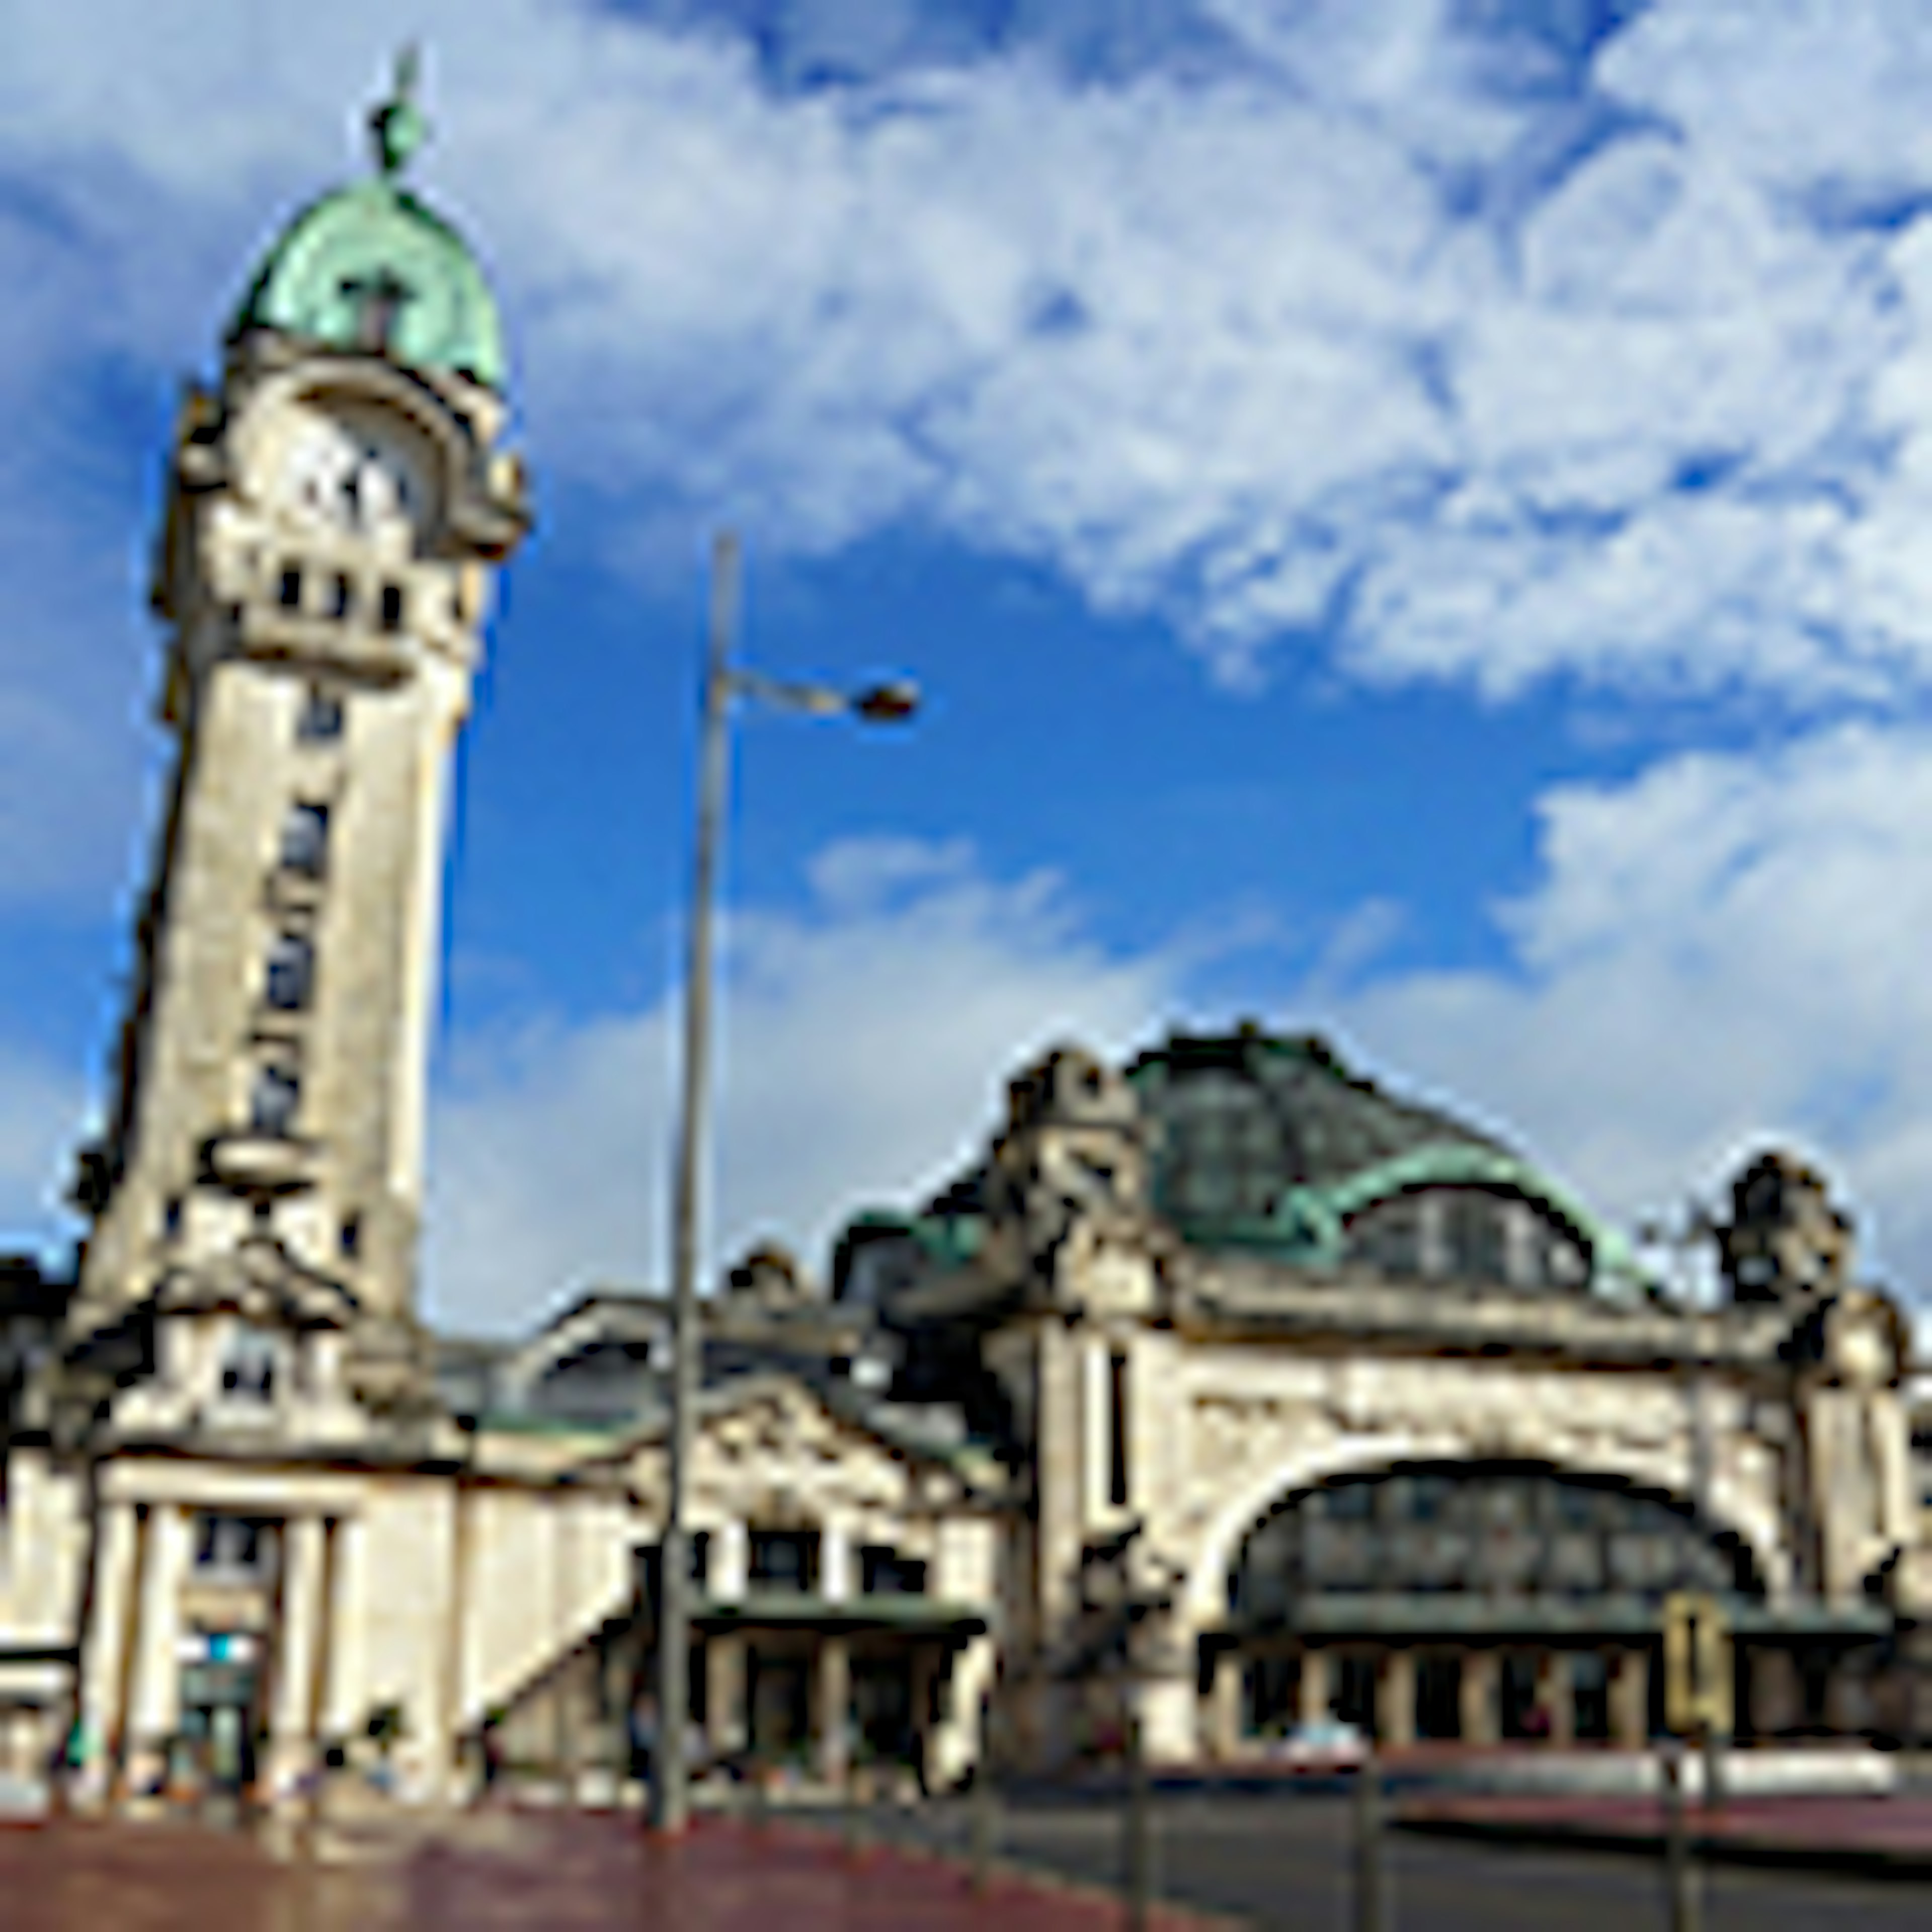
{"type": "Point", "coordinates": [1279, 1861]}
{"type": "Point", "coordinates": [559, 1871]}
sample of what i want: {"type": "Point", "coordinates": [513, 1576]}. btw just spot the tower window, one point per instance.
{"type": "Point", "coordinates": [321, 716]}
{"type": "Point", "coordinates": [338, 596]}
{"type": "Point", "coordinates": [351, 1236]}
{"type": "Point", "coordinates": [271, 1105]}
{"type": "Point", "coordinates": [289, 591]}
{"type": "Point", "coordinates": [305, 839]}
{"type": "Point", "coordinates": [1117, 1430]}
{"type": "Point", "coordinates": [291, 975]}
{"type": "Point", "coordinates": [171, 1217]}
{"type": "Point", "coordinates": [248, 1367]}
{"type": "Point", "coordinates": [392, 607]}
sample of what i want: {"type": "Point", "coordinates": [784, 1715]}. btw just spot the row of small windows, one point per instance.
{"type": "Point", "coordinates": [339, 597]}
{"type": "Point", "coordinates": [1467, 1235]}
{"type": "Point", "coordinates": [787, 1561]}
{"type": "Point", "coordinates": [348, 1237]}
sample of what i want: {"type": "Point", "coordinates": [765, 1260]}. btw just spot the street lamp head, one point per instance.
{"type": "Point", "coordinates": [889, 704]}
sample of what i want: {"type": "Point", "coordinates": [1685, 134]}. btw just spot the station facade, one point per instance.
{"type": "Point", "coordinates": [1226, 1390]}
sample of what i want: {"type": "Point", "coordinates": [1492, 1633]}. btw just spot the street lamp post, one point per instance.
{"type": "Point", "coordinates": [1694, 1356]}
{"type": "Point", "coordinates": [884, 703]}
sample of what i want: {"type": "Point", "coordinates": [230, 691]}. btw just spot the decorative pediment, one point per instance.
{"type": "Point", "coordinates": [263, 1283]}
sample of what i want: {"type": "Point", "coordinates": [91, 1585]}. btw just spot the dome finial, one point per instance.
{"type": "Point", "coordinates": [398, 125]}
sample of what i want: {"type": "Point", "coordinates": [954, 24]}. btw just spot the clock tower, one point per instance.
{"type": "Point", "coordinates": [337, 507]}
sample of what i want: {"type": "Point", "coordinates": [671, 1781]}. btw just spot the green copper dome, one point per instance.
{"type": "Point", "coordinates": [370, 267]}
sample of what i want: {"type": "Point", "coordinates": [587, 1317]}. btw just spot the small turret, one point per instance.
{"type": "Point", "coordinates": [1786, 1242]}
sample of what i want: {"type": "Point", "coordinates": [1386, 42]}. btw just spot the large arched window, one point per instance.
{"type": "Point", "coordinates": [1517, 1531]}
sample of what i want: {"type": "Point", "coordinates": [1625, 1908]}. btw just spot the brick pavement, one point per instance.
{"type": "Point", "coordinates": [571, 1872]}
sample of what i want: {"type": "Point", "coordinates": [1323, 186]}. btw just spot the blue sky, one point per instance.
{"type": "Point", "coordinates": [1409, 513]}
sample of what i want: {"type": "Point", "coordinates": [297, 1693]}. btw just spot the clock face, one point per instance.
{"type": "Point", "coordinates": [361, 478]}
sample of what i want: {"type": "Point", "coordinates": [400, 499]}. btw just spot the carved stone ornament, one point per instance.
{"type": "Point", "coordinates": [262, 1282]}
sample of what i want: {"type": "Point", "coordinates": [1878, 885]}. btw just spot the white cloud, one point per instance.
{"type": "Point", "coordinates": [862, 1048]}
{"type": "Point", "coordinates": [1387, 316]}
{"type": "Point", "coordinates": [1721, 952]}
{"type": "Point", "coordinates": [39, 1107]}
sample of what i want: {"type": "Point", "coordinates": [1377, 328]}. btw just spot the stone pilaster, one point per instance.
{"type": "Point", "coordinates": [834, 1701]}
{"type": "Point", "coordinates": [1630, 1699]}
{"type": "Point", "coordinates": [1224, 1705]}
{"type": "Point", "coordinates": [1481, 1712]}
{"type": "Point", "coordinates": [1317, 1692]}
{"type": "Point", "coordinates": [1395, 1697]}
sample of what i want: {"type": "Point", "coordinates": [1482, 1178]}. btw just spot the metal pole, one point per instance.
{"type": "Point", "coordinates": [1371, 1903]}
{"type": "Point", "coordinates": [1702, 1459]}
{"type": "Point", "coordinates": [1140, 1839]}
{"type": "Point", "coordinates": [1685, 1915]}
{"type": "Point", "coordinates": [670, 1798]}
{"type": "Point", "coordinates": [985, 1821]}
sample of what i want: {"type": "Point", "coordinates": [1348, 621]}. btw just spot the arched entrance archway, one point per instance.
{"type": "Point", "coordinates": [1484, 1601]}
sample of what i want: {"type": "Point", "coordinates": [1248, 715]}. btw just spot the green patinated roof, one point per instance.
{"type": "Point", "coordinates": [1342, 1144]}
{"type": "Point", "coordinates": [1338, 1144]}
{"type": "Point", "coordinates": [373, 240]}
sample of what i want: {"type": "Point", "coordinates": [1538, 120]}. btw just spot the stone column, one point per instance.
{"type": "Point", "coordinates": [156, 1714]}
{"type": "Point", "coordinates": [835, 1708]}
{"type": "Point", "coordinates": [1630, 1699]}
{"type": "Point", "coordinates": [1395, 1697]}
{"type": "Point", "coordinates": [1315, 1689]}
{"type": "Point", "coordinates": [729, 1557]}
{"type": "Point", "coordinates": [727, 1722]}
{"type": "Point", "coordinates": [725, 1694]}
{"type": "Point", "coordinates": [1555, 1691]}
{"type": "Point", "coordinates": [1224, 1722]}
{"type": "Point", "coordinates": [292, 1722]}
{"type": "Point", "coordinates": [104, 1660]}
{"type": "Point", "coordinates": [835, 1561]}
{"type": "Point", "coordinates": [345, 1698]}
{"type": "Point", "coordinates": [1481, 1713]}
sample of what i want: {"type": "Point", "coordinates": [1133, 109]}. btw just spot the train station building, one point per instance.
{"type": "Point", "coordinates": [1226, 1389]}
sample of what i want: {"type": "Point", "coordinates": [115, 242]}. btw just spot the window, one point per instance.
{"type": "Point", "coordinates": [238, 1545]}
{"type": "Point", "coordinates": [305, 839]}
{"type": "Point", "coordinates": [271, 1105]}
{"type": "Point", "coordinates": [884, 1572]}
{"type": "Point", "coordinates": [350, 1238]}
{"type": "Point", "coordinates": [392, 607]}
{"type": "Point", "coordinates": [783, 1559]}
{"type": "Point", "coordinates": [1476, 1238]}
{"type": "Point", "coordinates": [338, 596]}
{"type": "Point", "coordinates": [1117, 1430]}
{"type": "Point", "coordinates": [248, 1367]}
{"type": "Point", "coordinates": [291, 974]}
{"type": "Point", "coordinates": [321, 718]}
{"type": "Point", "coordinates": [171, 1217]}
{"type": "Point", "coordinates": [289, 591]}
